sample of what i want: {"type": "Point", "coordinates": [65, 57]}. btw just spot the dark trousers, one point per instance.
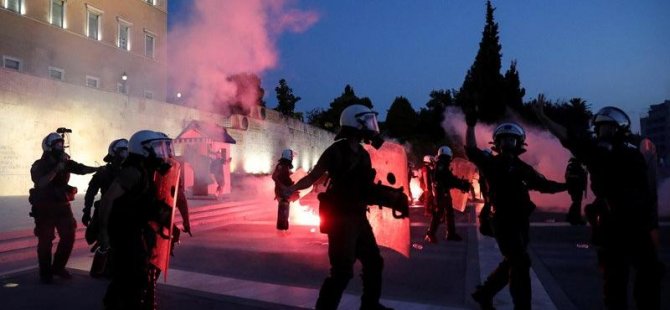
{"type": "Point", "coordinates": [575, 211]}
{"type": "Point", "coordinates": [283, 209]}
{"type": "Point", "coordinates": [512, 239]}
{"type": "Point", "coordinates": [616, 259]}
{"type": "Point", "coordinates": [443, 211]}
{"type": "Point", "coordinates": [133, 278]}
{"type": "Point", "coordinates": [45, 228]}
{"type": "Point", "coordinates": [350, 239]}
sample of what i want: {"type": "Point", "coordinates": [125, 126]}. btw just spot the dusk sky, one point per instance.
{"type": "Point", "coordinates": [608, 52]}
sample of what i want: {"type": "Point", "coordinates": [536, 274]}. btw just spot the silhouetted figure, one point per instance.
{"type": "Point", "coordinates": [575, 177]}
{"type": "Point", "coordinates": [427, 186]}
{"type": "Point", "coordinates": [101, 180]}
{"type": "Point", "coordinates": [509, 179]}
{"type": "Point", "coordinates": [343, 209]}
{"type": "Point", "coordinates": [126, 210]}
{"type": "Point", "coordinates": [282, 178]}
{"type": "Point", "coordinates": [624, 215]}
{"type": "Point", "coordinates": [50, 199]}
{"type": "Point", "coordinates": [444, 208]}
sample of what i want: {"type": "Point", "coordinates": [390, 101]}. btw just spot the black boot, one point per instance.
{"type": "Point", "coordinates": [482, 298]}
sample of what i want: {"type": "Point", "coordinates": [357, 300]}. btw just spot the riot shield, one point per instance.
{"type": "Point", "coordinates": [166, 190]}
{"type": "Point", "coordinates": [462, 169]}
{"type": "Point", "coordinates": [390, 232]}
{"type": "Point", "coordinates": [648, 150]}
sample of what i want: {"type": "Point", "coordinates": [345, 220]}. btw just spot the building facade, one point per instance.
{"type": "Point", "coordinates": [116, 46]}
{"type": "Point", "coordinates": [656, 127]}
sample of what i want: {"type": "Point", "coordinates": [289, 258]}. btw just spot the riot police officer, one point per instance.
{"type": "Point", "coordinates": [126, 209]}
{"type": "Point", "coordinates": [50, 199]}
{"type": "Point", "coordinates": [282, 178]}
{"type": "Point", "coordinates": [343, 208]}
{"type": "Point", "coordinates": [444, 209]}
{"type": "Point", "coordinates": [575, 177]}
{"type": "Point", "coordinates": [509, 180]}
{"type": "Point", "coordinates": [426, 183]}
{"type": "Point", "coordinates": [624, 215]}
{"type": "Point", "coordinates": [101, 180]}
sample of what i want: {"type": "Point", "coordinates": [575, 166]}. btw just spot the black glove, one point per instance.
{"type": "Point", "coordinates": [86, 218]}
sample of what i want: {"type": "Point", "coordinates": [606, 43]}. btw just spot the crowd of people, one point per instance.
{"type": "Point", "coordinates": [127, 223]}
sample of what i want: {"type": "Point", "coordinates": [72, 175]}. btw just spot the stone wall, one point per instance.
{"type": "Point", "coordinates": [31, 107]}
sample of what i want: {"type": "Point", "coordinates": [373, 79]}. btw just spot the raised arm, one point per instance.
{"type": "Point", "coordinates": [555, 128]}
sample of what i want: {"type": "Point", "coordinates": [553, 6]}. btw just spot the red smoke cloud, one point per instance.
{"type": "Point", "coordinates": [545, 154]}
{"type": "Point", "coordinates": [224, 38]}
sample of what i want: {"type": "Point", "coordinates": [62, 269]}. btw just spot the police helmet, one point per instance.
{"type": "Point", "coordinates": [612, 115]}
{"type": "Point", "coordinates": [49, 140]}
{"type": "Point", "coordinates": [509, 129]}
{"type": "Point", "coordinates": [117, 149]}
{"type": "Point", "coordinates": [359, 117]}
{"type": "Point", "coordinates": [445, 151]}
{"type": "Point", "coordinates": [287, 154]}
{"type": "Point", "coordinates": [148, 143]}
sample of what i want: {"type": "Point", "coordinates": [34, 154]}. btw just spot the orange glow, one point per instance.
{"type": "Point", "coordinates": [303, 215]}
{"type": "Point", "coordinates": [257, 164]}
{"type": "Point", "coordinates": [415, 189]}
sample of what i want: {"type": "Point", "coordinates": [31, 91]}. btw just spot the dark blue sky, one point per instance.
{"type": "Point", "coordinates": [609, 52]}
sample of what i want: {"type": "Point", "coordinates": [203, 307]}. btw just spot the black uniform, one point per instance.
{"type": "Point", "coordinates": [282, 178]}
{"type": "Point", "coordinates": [509, 181]}
{"type": "Point", "coordinates": [625, 216]}
{"type": "Point", "coordinates": [575, 177]}
{"type": "Point", "coordinates": [52, 212]}
{"type": "Point", "coordinates": [131, 240]}
{"type": "Point", "coordinates": [444, 181]}
{"type": "Point", "coordinates": [350, 235]}
{"type": "Point", "coordinates": [100, 181]}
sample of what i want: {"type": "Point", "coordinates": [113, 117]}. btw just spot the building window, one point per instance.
{"type": "Point", "coordinates": [152, 2]}
{"type": "Point", "coordinates": [56, 73]}
{"type": "Point", "coordinates": [124, 35]}
{"type": "Point", "coordinates": [93, 22]}
{"type": "Point", "coordinates": [92, 81]}
{"type": "Point", "coordinates": [14, 5]}
{"type": "Point", "coordinates": [11, 63]}
{"type": "Point", "coordinates": [148, 94]}
{"type": "Point", "coordinates": [58, 13]}
{"type": "Point", "coordinates": [149, 44]}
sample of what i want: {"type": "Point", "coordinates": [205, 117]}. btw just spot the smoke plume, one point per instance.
{"type": "Point", "coordinates": [544, 153]}
{"type": "Point", "coordinates": [222, 39]}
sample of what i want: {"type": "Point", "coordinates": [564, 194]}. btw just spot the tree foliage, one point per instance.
{"type": "Point", "coordinates": [401, 120]}
{"type": "Point", "coordinates": [483, 87]}
{"type": "Point", "coordinates": [286, 100]}
{"type": "Point", "coordinates": [330, 119]}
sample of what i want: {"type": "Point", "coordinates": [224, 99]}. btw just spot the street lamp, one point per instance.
{"type": "Point", "coordinates": [124, 76]}
{"type": "Point", "coordinates": [179, 95]}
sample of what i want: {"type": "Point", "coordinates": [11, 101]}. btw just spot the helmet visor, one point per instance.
{"type": "Point", "coordinates": [369, 121]}
{"type": "Point", "coordinates": [161, 148]}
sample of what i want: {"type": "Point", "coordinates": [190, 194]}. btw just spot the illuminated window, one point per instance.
{"type": "Point", "coordinates": [149, 44]}
{"type": "Point", "coordinates": [93, 22]}
{"type": "Point", "coordinates": [11, 63]}
{"type": "Point", "coordinates": [124, 34]}
{"type": "Point", "coordinates": [56, 73]}
{"type": "Point", "coordinates": [92, 81]}
{"type": "Point", "coordinates": [58, 13]}
{"type": "Point", "coordinates": [14, 5]}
